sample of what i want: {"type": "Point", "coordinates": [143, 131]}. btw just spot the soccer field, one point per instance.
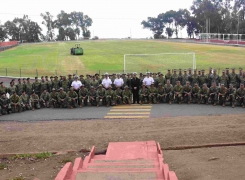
{"type": "Point", "coordinates": [108, 56]}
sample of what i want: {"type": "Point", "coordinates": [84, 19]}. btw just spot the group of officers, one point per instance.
{"type": "Point", "coordinates": [73, 91]}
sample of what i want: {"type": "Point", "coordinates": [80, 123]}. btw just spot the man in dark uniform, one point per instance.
{"type": "Point", "coordinates": [135, 83]}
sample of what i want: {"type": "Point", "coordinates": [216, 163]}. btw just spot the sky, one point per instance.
{"type": "Point", "coordinates": [111, 18]}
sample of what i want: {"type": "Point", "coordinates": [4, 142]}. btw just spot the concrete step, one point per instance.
{"type": "Point", "coordinates": [118, 175]}
{"type": "Point", "coordinates": [126, 161]}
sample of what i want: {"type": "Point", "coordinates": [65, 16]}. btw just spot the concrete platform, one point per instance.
{"type": "Point", "coordinates": [124, 161]}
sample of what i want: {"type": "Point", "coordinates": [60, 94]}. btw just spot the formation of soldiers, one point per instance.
{"type": "Point", "coordinates": [189, 86]}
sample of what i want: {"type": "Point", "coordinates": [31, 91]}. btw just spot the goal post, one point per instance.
{"type": "Point", "coordinates": [158, 62]}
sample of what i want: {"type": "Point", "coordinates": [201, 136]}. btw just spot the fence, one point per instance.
{"type": "Point", "coordinates": [11, 72]}
{"type": "Point", "coordinates": [10, 43]}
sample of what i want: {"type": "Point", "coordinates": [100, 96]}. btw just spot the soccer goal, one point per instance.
{"type": "Point", "coordinates": [158, 62]}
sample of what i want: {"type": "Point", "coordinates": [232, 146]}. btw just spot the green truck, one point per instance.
{"type": "Point", "coordinates": [77, 50]}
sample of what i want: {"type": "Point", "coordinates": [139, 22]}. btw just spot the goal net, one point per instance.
{"type": "Point", "coordinates": [158, 62]}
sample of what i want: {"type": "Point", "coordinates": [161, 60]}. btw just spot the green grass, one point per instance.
{"type": "Point", "coordinates": [55, 58]}
{"type": "Point", "coordinates": [43, 155]}
{"type": "Point", "coordinates": [17, 178]}
{"type": "Point", "coordinates": [3, 166]}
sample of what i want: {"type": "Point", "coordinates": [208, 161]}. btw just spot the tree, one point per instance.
{"type": "Point", "coordinates": [50, 25]}
{"type": "Point", "coordinates": [169, 32]}
{"type": "Point", "coordinates": [3, 33]}
{"type": "Point", "coordinates": [70, 33]}
{"type": "Point", "coordinates": [156, 25]}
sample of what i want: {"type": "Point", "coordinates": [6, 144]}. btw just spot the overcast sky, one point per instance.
{"type": "Point", "coordinates": [111, 18]}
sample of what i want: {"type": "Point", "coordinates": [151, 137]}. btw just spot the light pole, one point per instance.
{"type": "Point", "coordinates": [238, 25]}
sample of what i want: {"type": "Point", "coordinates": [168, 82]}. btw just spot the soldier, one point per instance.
{"type": "Point", "coordinates": [168, 88]}
{"type": "Point", "coordinates": [112, 80]}
{"type": "Point", "coordinates": [45, 99]}
{"type": "Point", "coordinates": [36, 86]}
{"type": "Point", "coordinates": [43, 85]}
{"type": "Point", "coordinates": [227, 73]}
{"type": "Point", "coordinates": [223, 79]}
{"type": "Point", "coordinates": [143, 95]}
{"type": "Point", "coordinates": [215, 78]}
{"type": "Point", "coordinates": [72, 98]}
{"type": "Point", "coordinates": [124, 78]}
{"type": "Point", "coordinates": [160, 94]}
{"type": "Point", "coordinates": [209, 79]}
{"type": "Point", "coordinates": [25, 101]}
{"type": "Point", "coordinates": [180, 76]}
{"type": "Point", "coordinates": [53, 96]}
{"type": "Point", "coordinates": [83, 95]}
{"type": "Point", "coordinates": [194, 78]}
{"type": "Point", "coordinates": [87, 81]}
{"type": "Point", "coordinates": [70, 79]}
{"type": "Point", "coordinates": [135, 82]}
{"type": "Point", "coordinates": [213, 93]}
{"type": "Point", "coordinates": [185, 78]}
{"type": "Point", "coordinates": [3, 89]}
{"type": "Point", "coordinates": [94, 82]}
{"type": "Point", "coordinates": [231, 95]}
{"type": "Point", "coordinates": [189, 73]}
{"type": "Point", "coordinates": [199, 72]}
{"type": "Point", "coordinates": [81, 79]}
{"type": "Point", "coordinates": [178, 90]}
{"type": "Point", "coordinates": [242, 78]}
{"type": "Point", "coordinates": [128, 81]}
{"type": "Point", "coordinates": [161, 79]}
{"type": "Point", "coordinates": [11, 88]}
{"type": "Point", "coordinates": [62, 98]}
{"type": "Point", "coordinates": [233, 77]}
{"type": "Point", "coordinates": [127, 95]}
{"type": "Point", "coordinates": [98, 78]}
{"type": "Point", "coordinates": [92, 96]}
{"type": "Point", "coordinates": [60, 80]}
{"type": "Point", "coordinates": [55, 84]}
{"type": "Point", "coordinates": [240, 72]}
{"type": "Point", "coordinates": [155, 78]}
{"type": "Point", "coordinates": [24, 84]}
{"type": "Point", "coordinates": [141, 77]}
{"type": "Point", "coordinates": [152, 94]}
{"type": "Point", "coordinates": [168, 76]}
{"type": "Point", "coordinates": [187, 92]}
{"type": "Point", "coordinates": [174, 78]}
{"type": "Point", "coordinates": [195, 91]}
{"type": "Point", "coordinates": [203, 94]}
{"type": "Point", "coordinates": [65, 84]}
{"type": "Point", "coordinates": [109, 94]}
{"type": "Point", "coordinates": [49, 84]}
{"type": "Point", "coordinates": [222, 94]}
{"type": "Point", "coordinates": [118, 96]}
{"type": "Point", "coordinates": [19, 87]}
{"type": "Point", "coordinates": [5, 106]}
{"type": "Point", "coordinates": [34, 101]}
{"type": "Point", "coordinates": [28, 87]}
{"type": "Point", "coordinates": [203, 79]}
{"type": "Point", "coordinates": [100, 95]}
{"type": "Point", "coordinates": [15, 102]}
{"type": "Point", "coordinates": [240, 95]}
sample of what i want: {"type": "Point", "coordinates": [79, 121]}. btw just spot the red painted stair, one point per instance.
{"type": "Point", "coordinates": [124, 161]}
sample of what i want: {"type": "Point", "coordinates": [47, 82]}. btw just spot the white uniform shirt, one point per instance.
{"type": "Point", "coordinates": [76, 84]}
{"type": "Point", "coordinates": [148, 81]}
{"type": "Point", "coordinates": [118, 82]}
{"type": "Point", "coordinates": [106, 82]}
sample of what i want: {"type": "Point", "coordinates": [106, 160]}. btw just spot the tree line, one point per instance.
{"type": "Point", "coordinates": [69, 25]}
{"type": "Point", "coordinates": [212, 16]}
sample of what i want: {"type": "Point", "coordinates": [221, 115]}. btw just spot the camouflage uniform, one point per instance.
{"type": "Point", "coordinates": [168, 76]}
{"type": "Point", "coordinates": [100, 95]}
{"type": "Point", "coordinates": [43, 85]}
{"type": "Point", "coordinates": [34, 101]}
{"type": "Point", "coordinates": [234, 80]}
{"type": "Point", "coordinates": [92, 97]}
{"type": "Point", "coordinates": [160, 94]}
{"type": "Point", "coordinates": [224, 80]}
{"type": "Point", "coordinates": [187, 92]}
{"type": "Point", "coordinates": [203, 95]}
{"type": "Point", "coordinates": [110, 97]}
{"type": "Point", "coordinates": [168, 88]}
{"type": "Point", "coordinates": [11, 89]}
{"type": "Point", "coordinates": [143, 95]}
{"type": "Point", "coordinates": [152, 94]}
{"type": "Point", "coordinates": [94, 83]}
{"type": "Point", "coordinates": [83, 96]}
{"type": "Point", "coordinates": [231, 95]}
{"type": "Point", "coordinates": [5, 106]}
{"type": "Point", "coordinates": [53, 97]}
{"type": "Point", "coordinates": [62, 99]}
{"type": "Point", "coordinates": [3, 89]}
{"type": "Point", "coordinates": [28, 88]}
{"type": "Point", "coordinates": [160, 80]}
{"type": "Point", "coordinates": [72, 98]}
{"type": "Point", "coordinates": [45, 99]}
{"type": "Point", "coordinates": [213, 94]}
{"type": "Point", "coordinates": [19, 89]}
{"type": "Point", "coordinates": [118, 96]}
{"type": "Point", "coordinates": [203, 79]}
{"type": "Point", "coordinates": [194, 94]}
{"type": "Point", "coordinates": [185, 78]}
{"type": "Point", "coordinates": [215, 79]}
{"type": "Point", "coordinates": [222, 95]}
{"type": "Point", "coordinates": [65, 85]}
{"type": "Point", "coordinates": [174, 78]}
{"type": "Point", "coordinates": [15, 103]}
{"type": "Point", "coordinates": [25, 102]}
{"type": "Point", "coordinates": [127, 96]}
{"type": "Point", "coordinates": [55, 84]}
{"type": "Point", "coordinates": [194, 78]}
{"type": "Point", "coordinates": [36, 87]}
{"type": "Point", "coordinates": [240, 93]}
{"type": "Point", "coordinates": [178, 90]}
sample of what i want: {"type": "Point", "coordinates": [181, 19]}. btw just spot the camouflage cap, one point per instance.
{"type": "Point", "coordinates": [126, 87]}
{"type": "Point", "coordinates": [92, 87]}
{"type": "Point", "coordinates": [100, 85]}
{"type": "Point", "coordinates": [187, 82]}
{"type": "Point", "coordinates": [53, 89]}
